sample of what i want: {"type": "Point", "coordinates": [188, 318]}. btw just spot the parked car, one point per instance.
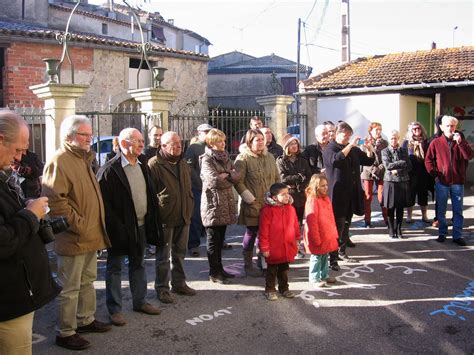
{"type": "Point", "coordinates": [294, 130]}
{"type": "Point", "coordinates": [105, 145]}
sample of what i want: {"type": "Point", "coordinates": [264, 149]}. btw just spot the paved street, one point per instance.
{"type": "Point", "coordinates": [405, 296]}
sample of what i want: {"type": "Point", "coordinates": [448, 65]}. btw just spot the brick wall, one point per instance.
{"type": "Point", "coordinates": [24, 67]}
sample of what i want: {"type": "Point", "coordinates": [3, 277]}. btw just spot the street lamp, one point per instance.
{"type": "Point", "coordinates": [454, 31]}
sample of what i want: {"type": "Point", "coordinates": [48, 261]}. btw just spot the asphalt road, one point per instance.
{"type": "Point", "coordinates": [404, 296]}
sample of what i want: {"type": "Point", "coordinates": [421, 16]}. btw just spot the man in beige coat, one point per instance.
{"type": "Point", "coordinates": [73, 192]}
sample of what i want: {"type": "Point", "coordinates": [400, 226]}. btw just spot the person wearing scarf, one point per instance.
{"type": "Point", "coordinates": [416, 142]}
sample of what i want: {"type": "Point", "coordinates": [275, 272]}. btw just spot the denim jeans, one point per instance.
{"type": "Point", "coordinates": [175, 242]}
{"type": "Point", "coordinates": [456, 192]}
{"type": "Point", "coordinates": [136, 277]}
{"type": "Point", "coordinates": [196, 230]}
{"type": "Point", "coordinates": [318, 268]}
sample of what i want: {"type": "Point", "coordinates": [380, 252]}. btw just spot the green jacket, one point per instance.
{"type": "Point", "coordinates": [257, 174]}
{"type": "Point", "coordinates": [175, 197]}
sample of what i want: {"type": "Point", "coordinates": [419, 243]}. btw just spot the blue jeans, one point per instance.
{"type": "Point", "coordinates": [456, 192]}
{"type": "Point", "coordinates": [196, 230]}
{"type": "Point", "coordinates": [318, 268]}
{"type": "Point", "coordinates": [136, 277]}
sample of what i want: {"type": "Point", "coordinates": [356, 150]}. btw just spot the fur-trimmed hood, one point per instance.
{"type": "Point", "coordinates": [243, 149]}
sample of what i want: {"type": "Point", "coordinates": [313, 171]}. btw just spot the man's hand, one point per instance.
{"type": "Point", "coordinates": [38, 206]}
{"type": "Point", "coordinates": [457, 137]}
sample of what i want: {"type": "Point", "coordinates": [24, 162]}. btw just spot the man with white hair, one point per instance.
{"type": "Point", "coordinates": [446, 160]}
{"type": "Point", "coordinates": [132, 219]}
{"type": "Point", "coordinates": [314, 152]}
{"type": "Point", "coordinates": [171, 179]}
{"type": "Point", "coordinates": [73, 192]}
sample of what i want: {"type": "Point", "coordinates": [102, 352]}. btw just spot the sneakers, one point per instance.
{"type": "Point", "coordinates": [184, 290]}
{"type": "Point", "coordinates": [118, 319]}
{"type": "Point", "coordinates": [165, 296]}
{"type": "Point", "coordinates": [320, 284]}
{"type": "Point", "coordinates": [460, 241]}
{"type": "Point", "coordinates": [72, 342]}
{"type": "Point", "coordinates": [271, 296]}
{"type": "Point", "coordinates": [94, 327]}
{"type": "Point", "coordinates": [288, 294]}
{"type": "Point", "coordinates": [334, 267]}
{"type": "Point", "coordinates": [148, 309]}
{"type": "Point", "coordinates": [300, 255]}
{"type": "Point", "coordinates": [219, 279]}
{"type": "Point", "coordinates": [350, 244]}
{"type": "Point", "coordinates": [347, 259]}
{"type": "Point", "coordinates": [441, 239]}
{"type": "Point", "coordinates": [227, 275]}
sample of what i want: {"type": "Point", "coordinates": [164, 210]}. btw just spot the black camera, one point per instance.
{"type": "Point", "coordinates": [51, 226]}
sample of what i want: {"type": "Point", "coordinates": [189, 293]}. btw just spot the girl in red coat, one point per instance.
{"type": "Point", "coordinates": [320, 232]}
{"type": "Point", "coordinates": [278, 233]}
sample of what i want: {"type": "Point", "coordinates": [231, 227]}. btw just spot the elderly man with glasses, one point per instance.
{"type": "Point", "coordinates": [73, 192]}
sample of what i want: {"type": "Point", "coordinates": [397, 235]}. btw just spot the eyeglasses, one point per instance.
{"type": "Point", "coordinates": [85, 135]}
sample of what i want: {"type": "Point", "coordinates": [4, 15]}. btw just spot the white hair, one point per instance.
{"type": "Point", "coordinates": [166, 137]}
{"type": "Point", "coordinates": [70, 124]}
{"type": "Point", "coordinates": [319, 129]}
{"type": "Point", "coordinates": [127, 133]}
{"type": "Point", "coordinates": [395, 132]}
{"type": "Point", "coordinates": [449, 119]}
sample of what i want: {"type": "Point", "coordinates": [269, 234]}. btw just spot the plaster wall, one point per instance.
{"type": "Point", "coordinates": [359, 111]}
{"type": "Point", "coordinates": [408, 111]}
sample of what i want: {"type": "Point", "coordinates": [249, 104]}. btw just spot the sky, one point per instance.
{"type": "Point", "coordinates": [263, 27]}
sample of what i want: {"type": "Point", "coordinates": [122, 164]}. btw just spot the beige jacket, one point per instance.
{"type": "Point", "coordinates": [73, 192]}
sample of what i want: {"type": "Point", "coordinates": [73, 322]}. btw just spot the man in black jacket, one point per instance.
{"type": "Point", "coordinates": [342, 160]}
{"type": "Point", "coordinates": [132, 220]}
{"type": "Point", "coordinates": [26, 283]}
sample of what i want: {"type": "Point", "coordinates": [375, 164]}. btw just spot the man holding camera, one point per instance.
{"type": "Point", "coordinates": [23, 257]}
{"type": "Point", "coordinates": [73, 192]}
{"type": "Point", "coordinates": [132, 219]}
{"type": "Point", "coordinates": [446, 161]}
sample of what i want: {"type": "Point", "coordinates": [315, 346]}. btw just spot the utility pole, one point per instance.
{"type": "Point", "coordinates": [298, 49]}
{"type": "Point", "coordinates": [346, 32]}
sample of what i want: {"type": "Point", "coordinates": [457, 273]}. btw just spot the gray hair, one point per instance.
{"type": "Point", "coordinates": [166, 137]}
{"type": "Point", "coordinates": [126, 134]}
{"type": "Point", "coordinates": [395, 132]}
{"type": "Point", "coordinates": [449, 119]}
{"type": "Point", "coordinates": [70, 124]}
{"type": "Point", "coordinates": [319, 129]}
{"type": "Point", "coordinates": [10, 123]}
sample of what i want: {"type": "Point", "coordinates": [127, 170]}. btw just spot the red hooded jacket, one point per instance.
{"type": "Point", "coordinates": [320, 232]}
{"type": "Point", "coordinates": [278, 233]}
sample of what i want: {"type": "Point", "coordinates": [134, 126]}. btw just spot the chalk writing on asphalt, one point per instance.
{"type": "Point", "coordinates": [352, 274]}
{"type": "Point", "coordinates": [207, 317]}
{"type": "Point", "coordinates": [462, 303]}
{"type": "Point", "coordinates": [37, 338]}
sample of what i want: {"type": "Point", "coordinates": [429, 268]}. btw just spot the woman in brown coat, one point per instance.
{"type": "Point", "coordinates": [218, 206]}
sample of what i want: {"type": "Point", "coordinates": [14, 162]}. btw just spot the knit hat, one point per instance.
{"type": "Point", "coordinates": [287, 139]}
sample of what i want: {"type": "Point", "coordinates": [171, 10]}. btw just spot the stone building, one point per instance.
{"type": "Point", "coordinates": [104, 51]}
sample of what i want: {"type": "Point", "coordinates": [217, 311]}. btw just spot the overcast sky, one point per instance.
{"type": "Point", "coordinates": [262, 27]}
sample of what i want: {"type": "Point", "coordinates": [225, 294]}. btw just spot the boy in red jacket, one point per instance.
{"type": "Point", "coordinates": [278, 233]}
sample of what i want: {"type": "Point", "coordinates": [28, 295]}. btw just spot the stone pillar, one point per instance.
{"type": "Point", "coordinates": [276, 106]}
{"type": "Point", "coordinates": [155, 103]}
{"type": "Point", "coordinates": [59, 102]}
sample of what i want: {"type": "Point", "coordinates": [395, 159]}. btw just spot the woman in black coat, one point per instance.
{"type": "Point", "coordinates": [396, 188]}
{"type": "Point", "coordinates": [342, 161]}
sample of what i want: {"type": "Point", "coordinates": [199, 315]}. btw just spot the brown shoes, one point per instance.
{"type": "Point", "coordinates": [94, 327]}
{"type": "Point", "coordinates": [148, 309]}
{"type": "Point", "coordinates": [184, 290]}
{"type": "Point", "coordinates": [165, 296]}
{"type": "Point", "coordinates": [72, 342]}
{"type": "Point", "coordinates": [118, 319]}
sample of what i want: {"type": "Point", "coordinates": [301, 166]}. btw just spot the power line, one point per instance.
{"type": "Point", "coordinates": [310, 11]}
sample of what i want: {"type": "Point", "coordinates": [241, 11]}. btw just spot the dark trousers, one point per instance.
{"type": "Point", "coordinates": [342, 224]}
{"type": "Point", "coordinates": [196, 230]}
{"type": "Point", "coordinates": [395, 228]}
{"type": "Point", "coordinates": [215, 241]}
{"type": "Point", "coordinates": [274, 272]}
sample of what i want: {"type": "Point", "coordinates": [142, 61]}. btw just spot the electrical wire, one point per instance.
{"type": "Point", "coordinates": [310, 11]}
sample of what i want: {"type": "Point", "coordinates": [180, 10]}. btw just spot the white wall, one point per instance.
{"type": "Point", "coordinates": [359, 111]}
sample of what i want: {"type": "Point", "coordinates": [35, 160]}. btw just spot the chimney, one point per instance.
{"type": "Point", "coordinates": [433, 45]}
{"type": "Point", "coordinates": [110, 5]}
{"type": "Point", "coordinates": [171, 21]}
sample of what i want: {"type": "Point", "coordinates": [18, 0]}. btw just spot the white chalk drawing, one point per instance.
{"type": "Point", "coordinates": [38, 338]}
{"type": "Point", "coordinates": [462, 302]}
{"type": "Point", "coordinates": [352, 274]}
{"type": "Point", "coordinates": [207, 317]}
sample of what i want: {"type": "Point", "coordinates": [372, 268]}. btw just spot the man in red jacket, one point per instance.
{"type": "Point", "coordinates": [446, 160]}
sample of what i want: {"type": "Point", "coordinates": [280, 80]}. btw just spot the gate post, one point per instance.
{"type": "Point", "coordinates": [155, 102]}
{"type": "Point", "coordinates": [277, 107]}
{"type": "Point", "coordinates": [59, 102]}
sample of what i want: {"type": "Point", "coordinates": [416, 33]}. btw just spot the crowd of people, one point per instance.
{"type": "Point", "coordinates": [291, 202]}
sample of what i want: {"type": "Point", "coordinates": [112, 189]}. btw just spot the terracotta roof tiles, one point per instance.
{"type": "Point", "coordinates": [431, 66]}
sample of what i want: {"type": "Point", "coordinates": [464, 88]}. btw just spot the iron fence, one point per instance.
{"type": "Point", "coordinates": [36, 121]}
